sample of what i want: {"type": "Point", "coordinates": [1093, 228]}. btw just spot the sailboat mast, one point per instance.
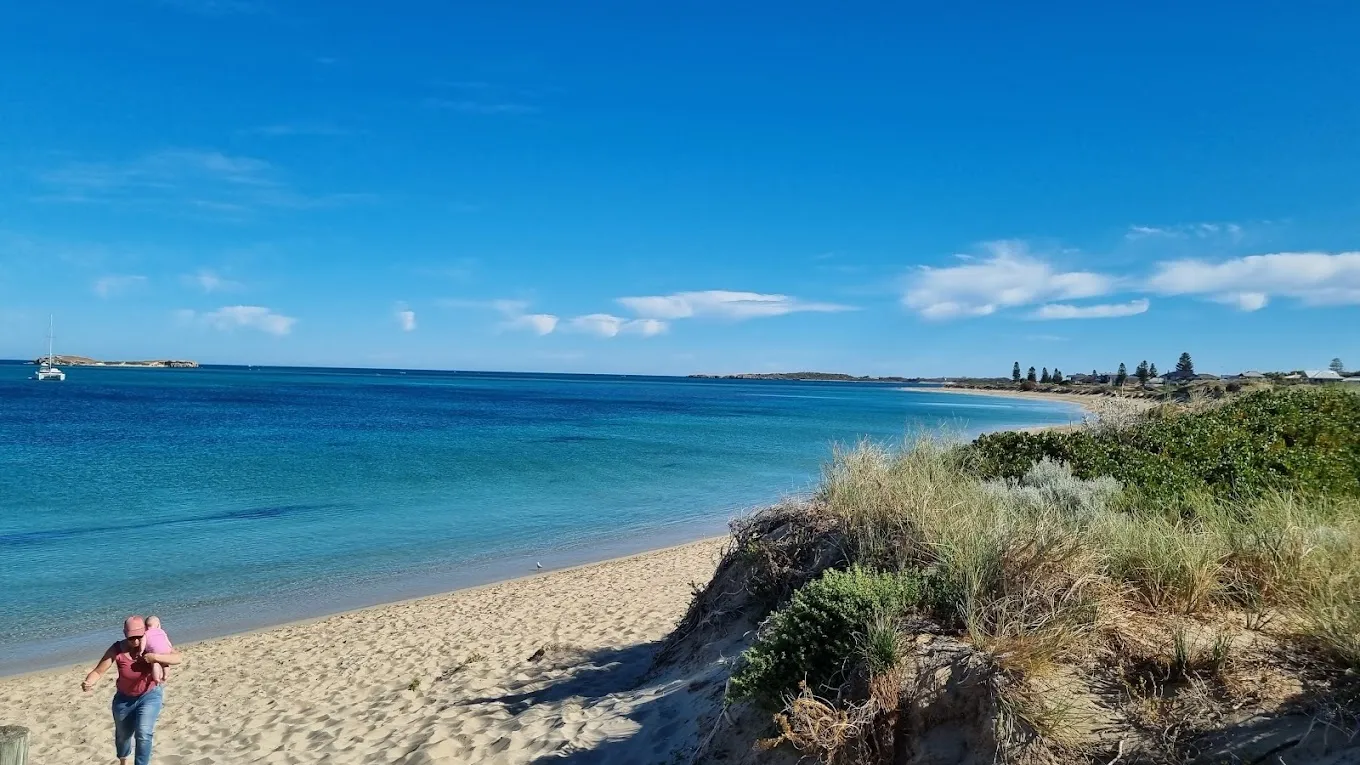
{"type": "Point", "coordinates": [51, 325]}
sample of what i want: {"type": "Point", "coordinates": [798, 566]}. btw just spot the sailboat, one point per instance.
{"type": "Point", "coordinates": [46, 371]}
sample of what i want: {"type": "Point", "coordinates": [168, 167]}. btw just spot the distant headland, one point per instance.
{"type": "Point", "coordinates": [85, 361]}
{"type": "Point", "coordinates": [823, 376]}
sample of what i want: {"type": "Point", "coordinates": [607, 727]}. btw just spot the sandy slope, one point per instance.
{"type": "Point", "coordinates": [337, 690]}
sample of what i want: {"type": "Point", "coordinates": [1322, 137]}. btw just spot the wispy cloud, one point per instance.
{"type": "Point", "coordinates": [607, 325]}
{"type": "Point", "coordinates": [232, 317]}
{"type": "Point", "coordinates": [514, 313]}
{"type": "Point", "coordinates": [1312, 278]}
{"type": "Point", "coordinates": [290, 129]}
{"type": "Point", "coordinates": [1009, 276]}
{"type": "Point", "coordinates": [216, 7]}
{"type": "Point", "coordinates": [210, 281]}
{"type": "Point", "coordinates": [1099, 311]}
{"type": "Point", "coordinates": [723, 304]}
{"type": "Point", "coordinates": [538, 323]}
{"type": "Point", "coordinates": [406, 318]}
{"type": "Point", "coordinates": [113, 285]}
{"type": "Point", "coordinates": [486, 108]}
{"type": "Point", "coordinates": [1232, 231]}
{"type": "Point", "coordinates": [193, 179]}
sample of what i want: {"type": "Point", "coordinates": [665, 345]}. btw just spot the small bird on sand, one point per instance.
{"type": "Point", "coordinates": [540, 565]}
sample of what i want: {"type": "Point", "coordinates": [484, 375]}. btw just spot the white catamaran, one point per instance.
{"type": "Point", "coordinates": [46, 371]}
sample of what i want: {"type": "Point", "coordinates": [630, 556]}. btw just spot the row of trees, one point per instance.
{"type": "Point", "coordinates": [1144, 372]}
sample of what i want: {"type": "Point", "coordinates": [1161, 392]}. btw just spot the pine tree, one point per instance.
{"type": "Point", "coordinates": [1045, 378]}
{"type": "Point", "coordinates": [1122, 376]}
{"type": "Point", "coordinates": [1152, 371]}
{"type": "Point", "coordinates": [1015, 372]}
{"type": "Point", "coordinates": [1337, 366]}
{"type": "Point", "coordinates": [1031, 376]}
{"type": "Point", "coordinates": [1141, 372]}
{"type": "Point", "coordinates": [1057, 375]}
{"type": "Point", "coordinates": [1184, 365]}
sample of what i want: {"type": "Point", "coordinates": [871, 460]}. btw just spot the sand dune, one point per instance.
{"type": "Point", "coordinates": [446, 679]}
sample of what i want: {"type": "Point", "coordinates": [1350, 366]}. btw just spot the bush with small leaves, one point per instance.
{"type": "Point", "coordinates": [830, 623]}
{"type": "Point", "coordinates": [1050, 485]}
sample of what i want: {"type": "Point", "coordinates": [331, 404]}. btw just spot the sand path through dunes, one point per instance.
{"type": "Point", "coordinates": [445, 679]}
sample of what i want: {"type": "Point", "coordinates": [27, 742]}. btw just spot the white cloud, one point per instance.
{"type": "Point", "coordinates": [1101, 311]}
{"type": "Point", "coordinates": [232, 317]}
{"type": "Point", "coordinates": [406, 318]}
{"type": "Point", "coordinates": [724, 304]}
{"type": "Point", "coordinates": [646, 327]}
{"type": "Point", "coordinates": [606, 325]}
{"type": "Point", "coordinates": [1313, 278]}
{"type": "Point", "coordinates": [210, 281]}
{"type": "Point", "coordinates": [1232, 231]}
{"type": "Point", "coordinates": [538, 323]}
{"type": "Point", "coordinates": [1010, 277]}
{"type": "Point", "coordinates": [110, 286]}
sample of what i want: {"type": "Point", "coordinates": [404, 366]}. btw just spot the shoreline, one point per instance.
{"type": "Point", "coordinates": [1096, 407]}
{"type": "Point", "coordinates": [405, 601]}
{"type": "Point", "coordinates": [442, 678]}
{"type": "Point", "coordinates": [480, 575]}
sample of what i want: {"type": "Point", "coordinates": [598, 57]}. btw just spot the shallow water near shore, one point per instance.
{"type": "Point", "coordinates": [228, 498]}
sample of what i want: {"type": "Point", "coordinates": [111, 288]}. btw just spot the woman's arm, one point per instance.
{"type": "Point", "coordinates": [98, 671]}
{"type": "Point", "coordinates": [168, 659]}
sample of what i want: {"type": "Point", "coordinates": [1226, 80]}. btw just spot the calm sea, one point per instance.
{"type": "Point", "coordinates": [228, 498]}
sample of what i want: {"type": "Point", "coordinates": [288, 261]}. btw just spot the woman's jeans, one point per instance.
{"type": "Point", "coordinates": [134, 717]}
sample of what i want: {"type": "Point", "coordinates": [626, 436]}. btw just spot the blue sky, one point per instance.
{"type": "Point", "coordinates": [699, 187]}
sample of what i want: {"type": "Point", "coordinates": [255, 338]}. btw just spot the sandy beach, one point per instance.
{"type": "Point", "coordinates": [1096, 407]}
{"type": "Point", "coordinates": [443, 679]}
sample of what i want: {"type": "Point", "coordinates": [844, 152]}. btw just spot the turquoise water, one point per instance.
{"type": "Point", "coordinates": [229, 498]}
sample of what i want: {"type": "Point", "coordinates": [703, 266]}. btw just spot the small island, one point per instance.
{"type": "Point", "coordinates": [85, 361]}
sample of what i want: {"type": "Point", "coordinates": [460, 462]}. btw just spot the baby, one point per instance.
{"type": "Point", "coordinates": [156, 641]}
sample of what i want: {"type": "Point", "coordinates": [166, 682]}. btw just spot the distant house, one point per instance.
{"type": "Point", "coordinates": [1177, 376]}
{"type": "Point", "coordinates": [1252, 375]}
{"type": "Point", "coordinates": [1155, 381]}
{"type": "Point", "coordinates": [1352, 380]}
{"type": "Point", "coordinates": [1321, 375]}
{"type": "Point", "coordinates": [1292, 376]}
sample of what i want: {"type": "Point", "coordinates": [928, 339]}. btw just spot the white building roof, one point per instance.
{"type": "Point", "coordinates": [1321, 374]}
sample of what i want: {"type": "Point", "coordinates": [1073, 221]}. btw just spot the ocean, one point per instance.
{"type": "Point", "coordinates": [228, 498]}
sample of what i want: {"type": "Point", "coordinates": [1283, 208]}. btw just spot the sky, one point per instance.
{"type": "Point", "coordinates": [700, 187]}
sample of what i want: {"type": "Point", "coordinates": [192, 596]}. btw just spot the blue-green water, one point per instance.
{"type": "Point", "coordinates": [228, 498]}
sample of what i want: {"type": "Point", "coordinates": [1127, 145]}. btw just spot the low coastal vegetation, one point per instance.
{"type": "Point", "coordinates": [1156, 591]}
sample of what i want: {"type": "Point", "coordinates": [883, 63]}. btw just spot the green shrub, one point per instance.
{"type": "Point", "coordinates": [1303, 439]}
{"type": "Point", "coordinates": [830, 623]}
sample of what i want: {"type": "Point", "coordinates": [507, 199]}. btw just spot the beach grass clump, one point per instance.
{"type": "Point", "coordinates": [1332, 624]}
{"type": "Point", "coordinates": [820, 637]}
{"type": "Point", "coordinates": [1171, 564]}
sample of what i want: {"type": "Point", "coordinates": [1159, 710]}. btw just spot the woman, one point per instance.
{"type": "Point", "coordinates": [137, 702]}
